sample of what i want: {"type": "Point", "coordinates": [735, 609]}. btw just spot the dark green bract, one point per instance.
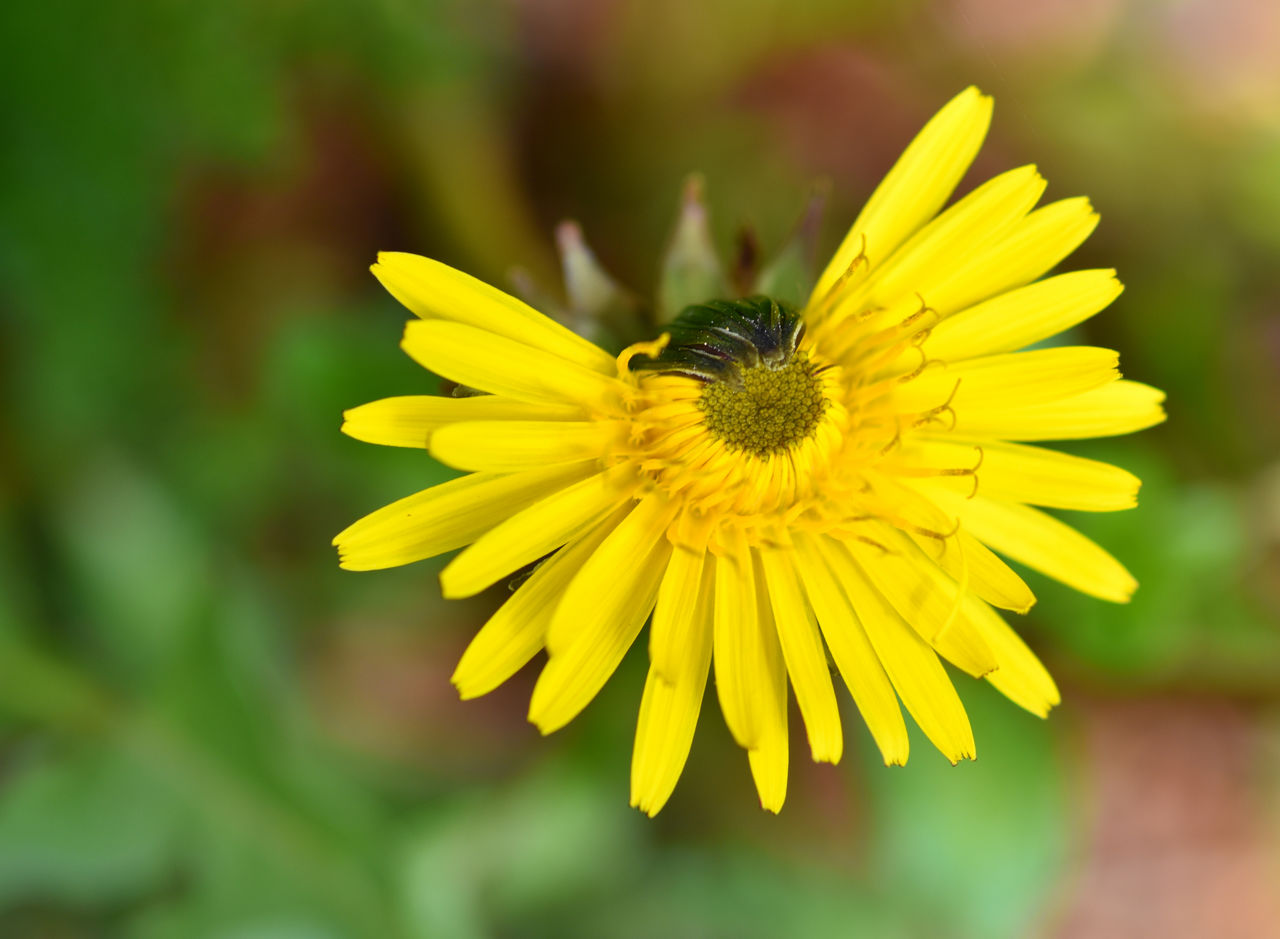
{"type": "Point", "coordinates": [713, 341]}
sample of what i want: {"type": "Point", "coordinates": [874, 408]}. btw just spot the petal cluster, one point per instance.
{"type": "Point", "coordinates": [875, 538]}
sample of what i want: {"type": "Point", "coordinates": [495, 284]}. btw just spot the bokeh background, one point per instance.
{"type": "Point", "coordinates": [208, 730]}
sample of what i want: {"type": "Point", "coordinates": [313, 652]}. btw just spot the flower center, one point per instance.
{"type": "Point", "coordinates": [760, 394]}
{"type": "Point", "coordinates": [765, 409]}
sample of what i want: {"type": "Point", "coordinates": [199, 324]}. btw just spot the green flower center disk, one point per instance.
{"type": "Point", "coordinates": [766, 410]}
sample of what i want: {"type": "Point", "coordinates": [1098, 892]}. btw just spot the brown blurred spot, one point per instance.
{"type": "Point", "coordinates": [1179, 842]}
{"type": "Point", "coordinates": [263, 243]}
{"type": "Point", "coordinates": [1045, 35]}
{"type": "Point", "coordinates": [1224, 56]}
{"type": "Point", "coordinates": [384, 690]}
{"type": "Point", "coordinates": [837, 109]}
{"type": "Point", "coordinates": [842, 113]}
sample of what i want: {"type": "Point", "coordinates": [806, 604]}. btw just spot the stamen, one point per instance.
{"type": "Point", "coordinates": [828, 299]}
{"type": "Point", "coordinates": [982, 455]}
{"type": "Point", "coordinates": [884, 345]}
{"type": "Point", "coordinates": [918, 472]}
{"type": "Point", "coordinates": [925, 362]}
{"type": "Point", "coordinates": [884, 550]}
{"type": "Point", "coordinates": [896, 441]}
{"type": "Point", "coordinates": [927, 417]}
{"type": "Point", "coordinates": [651, 348]}
{"type": "Point", "coordinates": [941, 537]}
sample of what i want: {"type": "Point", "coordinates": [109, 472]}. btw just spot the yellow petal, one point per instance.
{"type": "Point", "coordinates": [532, 532]}
{"type": "Point", "coordinates": [804, 655]}
{"type": "Point", "coordinates": [516, 632]}
{"type": "Point", "coordinates": [1023, 253]}
{"type": "Point", "coordinates": [917, 185]}
{"type": "Point", "coordinates": [689, 574]}
{"type": "Point", "coordinates": [853, 655]}
{"type": "Point", "coordinates": [408, 421]}
{"type": "Point", "coordinates": [990, 383]}
{"type": "Point", "coordinates": [770, 756]}
{"type": "Point", "coordinates": [510, 446]}
{"type": "Point", "coordinates": [912, 666]}
{"type": "Point", "coordinates": [739, 642]}
{"type": "Point", "coordinates": [1045, 544]}
{"type": "Point", "coordinates": [1120, 407]}
{"type": "Point", "coordinates": [925, 597]}
{"type": "Point", "coordinates": [503, 366]}
{"type": "Point", "coordinates": [1020, 317]}
{"type": "Point", "coordinates": [1020, 677]}
{"type": "Point", "coordinates": [601, 613]}
{"type": "Point", "coordinates": [1012, 472]}
{"type": "Point", "coordinates": [669, 709]}
{"type": "Point", "coordinates": [967, 559]}
{"type": "Point", "coordinates": [436, 291]}
{"type": "Point", "coordinates": [946, 246]}
{"type": "Point", "coordinates": [447, 516]}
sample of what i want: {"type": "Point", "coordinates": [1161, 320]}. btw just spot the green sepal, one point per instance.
{"type": "Point", "coordinates": [713, 341]}
{"type": "Point", "coordinates": [598, 306]}
{"type": "Point", "coordinates": [791, 274]}
{"type": "Point", "coordinates": [691, 271]}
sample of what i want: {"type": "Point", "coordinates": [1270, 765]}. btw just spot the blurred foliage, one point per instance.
{"type": "Point", "coordinates": [207, 729]}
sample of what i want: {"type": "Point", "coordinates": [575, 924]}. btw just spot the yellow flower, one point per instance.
{"type": "Point", "coordinates": [774, 485]}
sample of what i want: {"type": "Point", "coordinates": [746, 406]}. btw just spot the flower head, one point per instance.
{"type": "Point", "coordinates": [772, 484]}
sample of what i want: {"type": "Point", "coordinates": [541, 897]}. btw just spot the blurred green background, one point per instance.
{"type": "Point", "coordinates": [208, 730]}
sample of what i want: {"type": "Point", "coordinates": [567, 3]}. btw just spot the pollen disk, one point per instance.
{"type": "Point", "coordinates": [765, 410]}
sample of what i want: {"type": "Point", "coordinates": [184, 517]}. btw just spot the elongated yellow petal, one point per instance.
{"type": "Point", "coordinates": [664, 733]}
{"type": "Point", "coordinates": [926, 598]}
{"type": "Point", "coordinates": [917, 186]}
{"type": "Point", "coordinates": [510, 446]}
{"type": "Point", "coordinates": [968, 559]}
{"type": "Point", "coordinates": [409, 420]}
{"type": "Point", "coordinates": [503, 366]}
{"type": "Point", "coordinates": [676, 612]}
{"type": "Point", "coordinates": [532, 532]}
{"type": "Point", "coordinates": [804, 655]}
{"type": "Point", "coordinates": [991, 382]}
{"type": "Point", "coordinates": [769, 758]}
{"type": "Point", "coordinates": [912, 666]}
{"type": "Point", "coordinates": [1020, 317]}
{"type": "Point", "coordinates": [447, 516]}
{"type": "Point", "coordinates": [1045, 544]}
{"type": "Point", "coordinates": [1012, 472]}
{"type": "Point", "coordinates": [907, 503]}
{"type": "Point", "coordinates": [854, 656]}
{"type": "Point", "coordinates": [1120, 407]}
{"type": "Point", "coordinates": [944, 247]}
{"type": "Point", "coordinates": [669, 709]}
{"type": "Point", "coordinates": [601, 613]}
{"type": "Point", "coordinates": [436, 291]}
{"type": "Point", "coordinates": [1022, 254]}
{"type": "Point", "coordinates": [517, 631]}
{"type": "Point", "coordinates": [739, 642]}
{"type": "Point", "coordinates": [1021, 678]}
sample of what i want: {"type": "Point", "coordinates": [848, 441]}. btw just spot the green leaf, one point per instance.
{"type": "Point", "coordinates": [499, 858]}
{"type": "Point", "coordinates": [974, 849]}
{"type": "Point", "coordinates": [138, 564]}
{"type": "Point", "coordinates": [85, 827]}
{"type": "Point", "coordinates": [1188, 546]}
